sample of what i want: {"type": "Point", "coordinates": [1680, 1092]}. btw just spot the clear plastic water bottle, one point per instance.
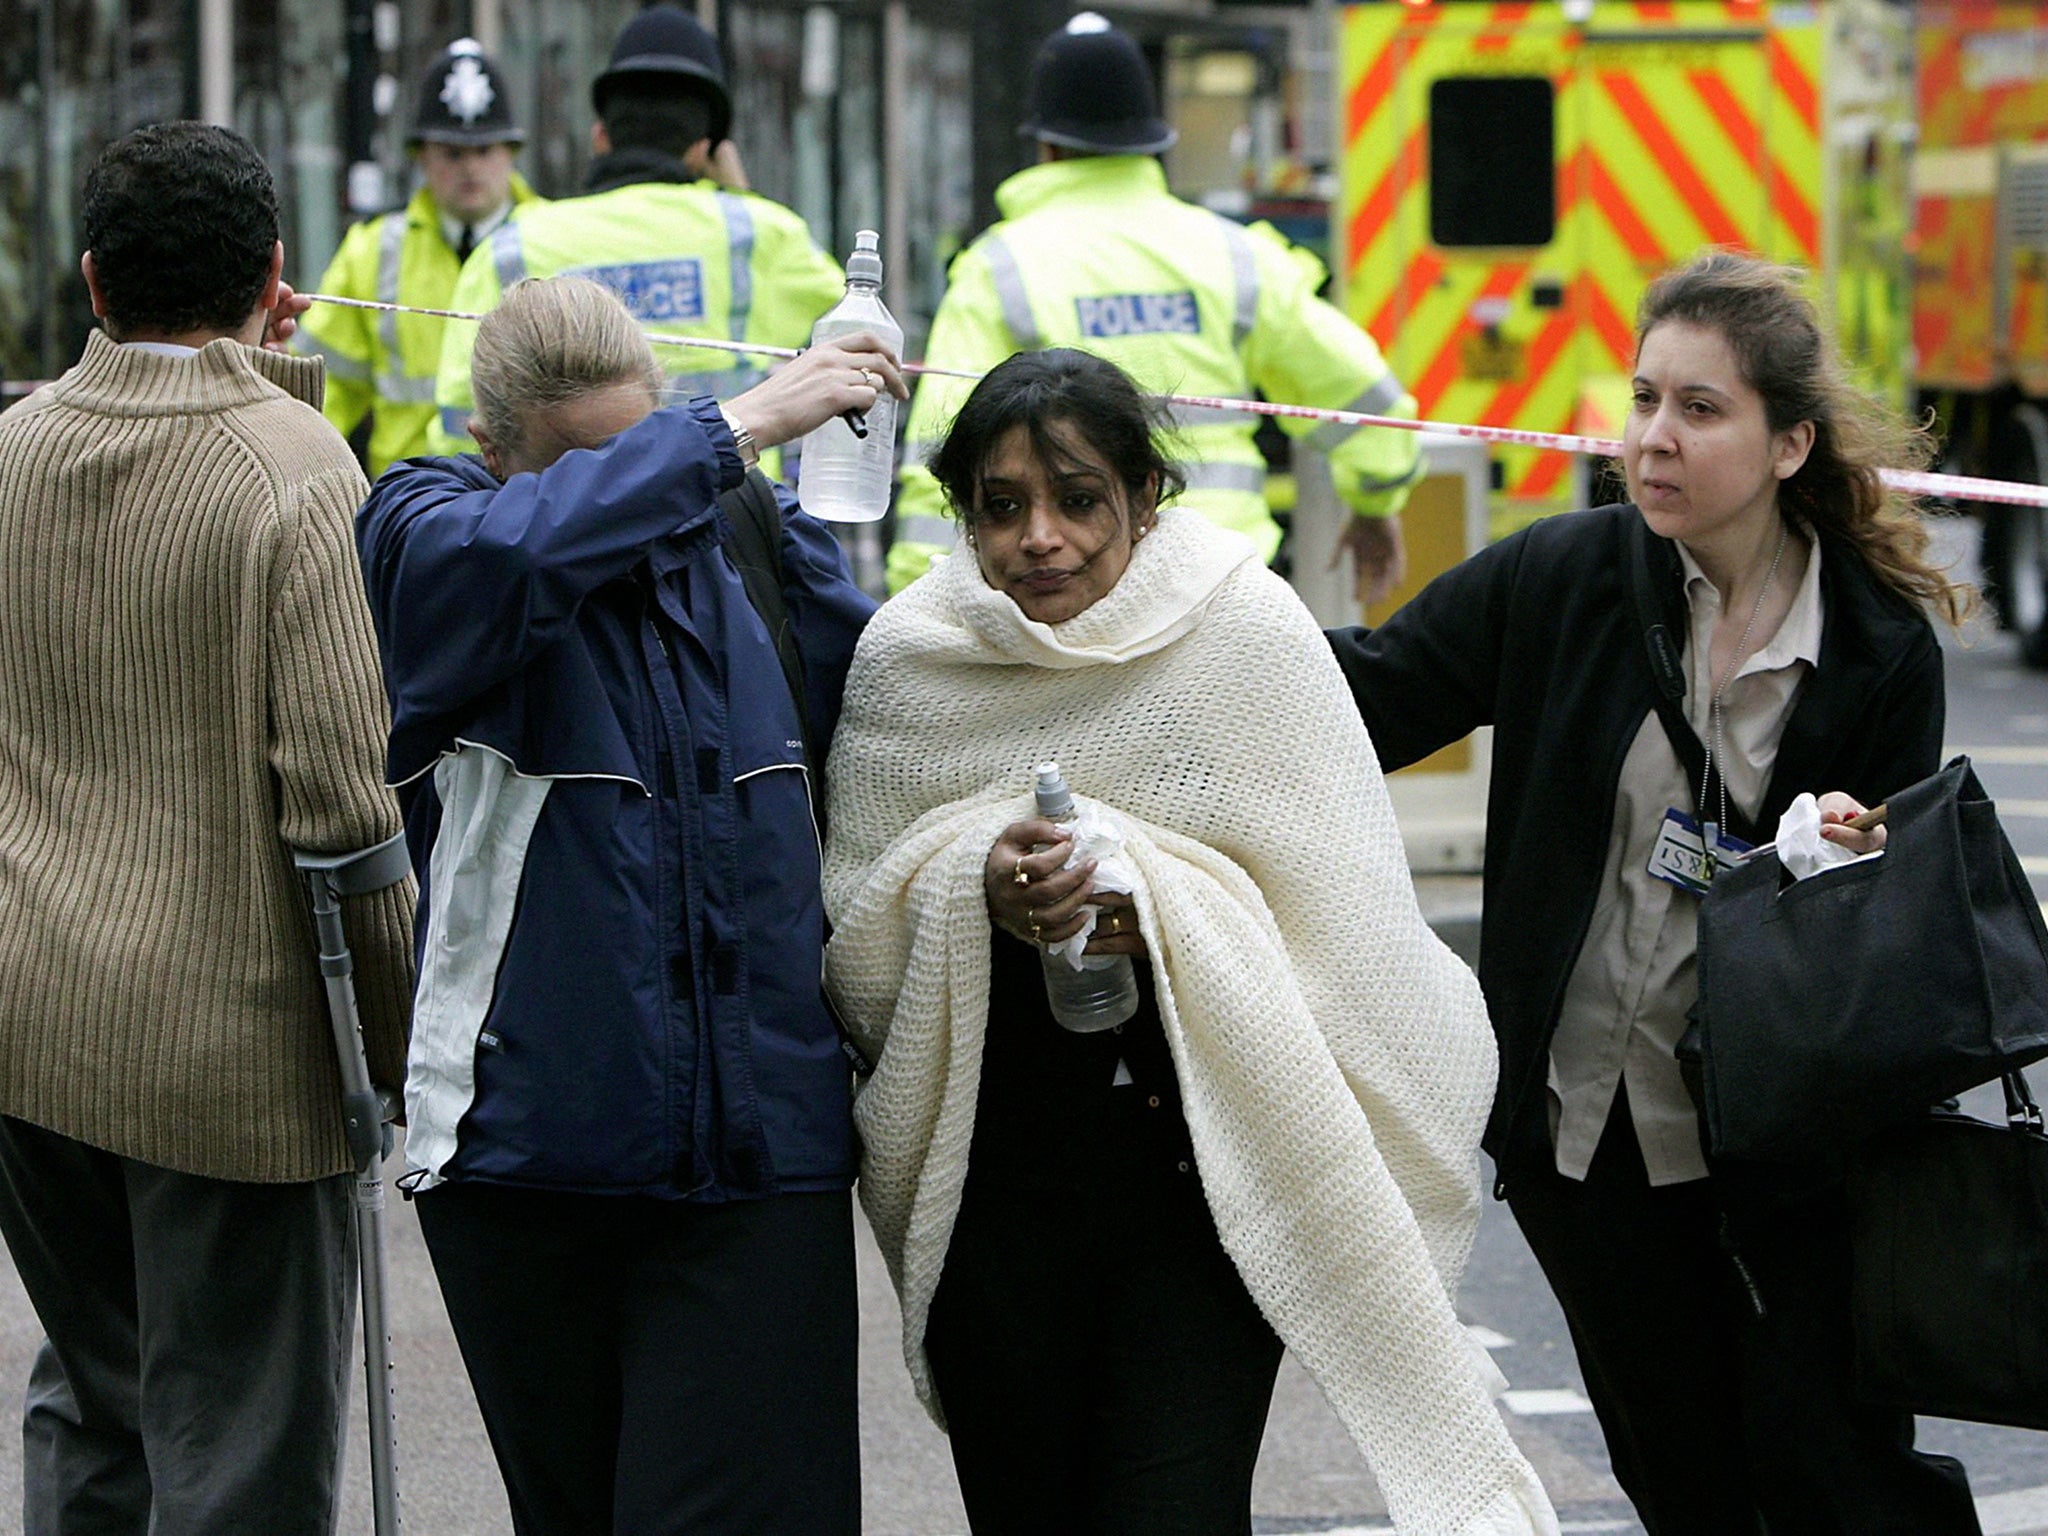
{"type": "Point", "coordinates": [1103, 993]}
{"type": "Point", "coordinates": [845, 478]}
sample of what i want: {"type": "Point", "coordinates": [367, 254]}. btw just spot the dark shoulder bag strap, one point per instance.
{"type": "Point", "coordinates": [1667, 671]}
{"type": "Point", "coordinates": [753, 520]}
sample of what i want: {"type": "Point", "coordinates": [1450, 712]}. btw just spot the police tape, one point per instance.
{"type": "Point", "coordinates": [1910, 482]}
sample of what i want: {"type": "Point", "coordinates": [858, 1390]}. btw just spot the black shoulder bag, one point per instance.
{"type": "Point", "coordinates": [1949, 1231]}
{"type": "Point", "coordinates": [1858, 997]}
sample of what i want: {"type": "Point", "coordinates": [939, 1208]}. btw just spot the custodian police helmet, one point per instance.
{"type": "Point", "coordinates": [462, 100]}
{"type": "Point", "coordinates": [1091, 89]}
{"type": "Point", "coordinates": [665, 42]}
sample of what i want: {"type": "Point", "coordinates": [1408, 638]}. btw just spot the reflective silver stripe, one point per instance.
{"type": "Point", "coordinates": [390, 248]}
{"type": "Point", "coordinates": [340, 366]}
{"type": "Point", "coordinates": [1244, 274]}
{"type": "Point", "coordinates": [1370, 484]}
{"type": "Point", "coordinates": [739, 244]}
{"type": "Point", "coordinates": [1009, 284]}
{"type": "Point", "coordinates": [1181, 417]}
{"type": "Point", "coordinates": [1250, 478]}
{"type": "Point", "coordinates": [926, 530]}
{"type": "Point", "coordinates": [1376, 401]}
{"type": "Point", "coordinates": [507, 255]}
{"type": "Point", "coordinates": [455, 421]}
{"type": "Point", "coordinates": [404, 389]}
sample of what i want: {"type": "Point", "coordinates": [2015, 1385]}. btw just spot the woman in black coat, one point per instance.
{"type": "Point", "coordinates": [1668, 675]}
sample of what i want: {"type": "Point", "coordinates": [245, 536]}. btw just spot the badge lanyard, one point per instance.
{"type": "Point", "coordinates": [1690, 852]}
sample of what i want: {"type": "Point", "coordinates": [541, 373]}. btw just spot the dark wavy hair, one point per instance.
{"type": "Point", "coordinates": [181, 219]}
{"type": "Point", "coordinates": [1763, 313]}
{"type": "Point", "coordinates": [1051, 394]}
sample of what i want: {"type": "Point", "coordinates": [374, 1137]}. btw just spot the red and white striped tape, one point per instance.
{"type": "Point", "coordinates": [1912, 482]}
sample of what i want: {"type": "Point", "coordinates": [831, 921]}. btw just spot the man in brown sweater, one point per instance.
{"type": "Point", "coordinates": [188, 684]}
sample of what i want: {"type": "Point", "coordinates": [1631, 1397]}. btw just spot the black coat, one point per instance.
{"type": "Point", "coordinates": [1538, 636]}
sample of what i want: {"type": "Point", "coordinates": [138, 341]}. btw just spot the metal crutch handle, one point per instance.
{"type": "Point", "coordinates": [329, 878]}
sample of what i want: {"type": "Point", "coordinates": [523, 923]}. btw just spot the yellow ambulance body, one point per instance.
{"type": "Point", "coordinates": [1513, 175]}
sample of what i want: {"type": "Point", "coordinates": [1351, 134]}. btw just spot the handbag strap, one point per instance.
{"type": "Point", "coordinates": [753, 540]}
{"type": "Point", "coordinates": [1667, 670]}
{"type": "Point", "coordinates": [2021, 1112]}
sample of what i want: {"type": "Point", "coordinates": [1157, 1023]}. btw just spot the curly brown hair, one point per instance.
{"type": "Point", "coordinates": [1765, 316]}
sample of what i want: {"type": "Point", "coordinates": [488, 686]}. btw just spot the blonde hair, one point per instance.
{"type": "Point", "coordinates": [551, 340]}
{"type": "Point", "coordinates": [1770, 324]}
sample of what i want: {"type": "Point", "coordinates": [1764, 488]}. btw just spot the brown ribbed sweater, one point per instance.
{"type": "Point", "coordinates": [188, 683]}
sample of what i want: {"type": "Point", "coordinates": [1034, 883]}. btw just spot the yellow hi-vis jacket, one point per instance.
{"type": "Point", "coordinates": [1095, 253]}
{"type": "Point", "coordinates": [381, 362]}
{"type": "Point", "coordinates": [688, 259]}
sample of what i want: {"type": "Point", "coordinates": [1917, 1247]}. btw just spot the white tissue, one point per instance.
{"type": "Point", "coordinates": [1801, 848]}
{"type": "Point", "coordinates": [1098, 836]}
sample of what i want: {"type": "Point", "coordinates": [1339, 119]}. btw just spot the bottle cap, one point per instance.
{"type": "Point", "coordinates": [1055, 800]}
{"type": "Point", "coordinates": [865, 264]}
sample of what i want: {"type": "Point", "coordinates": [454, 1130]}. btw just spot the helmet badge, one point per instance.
{"type": "Point", "coordinates": [467, 91]}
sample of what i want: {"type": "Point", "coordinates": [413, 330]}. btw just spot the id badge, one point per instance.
{"type": "Point", "coordinates": [1689, 855]}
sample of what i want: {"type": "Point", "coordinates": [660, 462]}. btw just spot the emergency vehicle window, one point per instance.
{"type": "Point", "coordinates": [1492, 178]}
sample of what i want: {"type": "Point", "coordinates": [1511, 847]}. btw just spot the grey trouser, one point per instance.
{"type": "Point", "coordinates": [198, 1344]}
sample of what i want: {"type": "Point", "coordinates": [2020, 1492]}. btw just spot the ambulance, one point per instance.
{"type": "Point", "coordinates": [1513, 175]}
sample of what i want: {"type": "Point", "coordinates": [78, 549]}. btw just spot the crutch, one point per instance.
{"type": "Point", "coordinates": [366, 1117]}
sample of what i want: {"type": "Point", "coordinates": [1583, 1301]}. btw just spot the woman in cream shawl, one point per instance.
{"type": "Point", "coordinates": [1102, 1241]}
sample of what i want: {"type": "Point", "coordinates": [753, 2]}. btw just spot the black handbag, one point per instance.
{"type": "Point", "coordinates": [1856, 998]}
{"type": "Point", "coordinates": [1949, 1244]}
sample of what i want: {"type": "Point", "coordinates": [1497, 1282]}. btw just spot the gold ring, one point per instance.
{"type": "Point", "coordinates": [1018, 874]}
{"type": "Point", "coordinates": [1116, 922]}
{"type": "Point", "coordinates": [1037, 933]}
{"type": "Point", "coordinates": [872, 379]}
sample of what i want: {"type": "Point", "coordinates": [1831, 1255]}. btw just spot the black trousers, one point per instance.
{"type": "Point", "coordinates": [649, 1366]}
{"type": "Point", "coordinates": [1101, 1366]}
{"type": "Point", "coordinates": [1713, 1331]}
{"type": "Point", "coordinates": [199, 1336]}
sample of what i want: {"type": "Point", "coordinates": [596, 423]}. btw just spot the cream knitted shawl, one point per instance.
{"type": "Point", "coordinates": [1334, 1057]}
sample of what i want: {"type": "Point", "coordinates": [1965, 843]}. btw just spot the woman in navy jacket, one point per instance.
{"type": "Point", "coordinates": [628, 1110]}
{"type": "Point", "coordinates": [1709, 1307]}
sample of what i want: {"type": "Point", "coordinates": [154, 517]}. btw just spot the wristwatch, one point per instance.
{"type": "Point", "coordinates": [743, 440]}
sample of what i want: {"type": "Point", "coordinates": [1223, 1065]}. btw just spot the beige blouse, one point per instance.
{"type": "Point", "coordinates": [1625, 1005]}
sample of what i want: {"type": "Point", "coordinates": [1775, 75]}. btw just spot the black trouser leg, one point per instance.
{"type": "Point", "coordinates": [740, 1355]}
{"type": "Point", "coordinates": [1720, 1419]}
{"type": "Point", "coordinates": [199, 1338]}
{"type": "Point", "coordinates": [1188, 1366]}
{"type": "Point", "coordinates": [527, 1277]}
{"type": "Point", "coordinates": [1101, 1366]}
{"type": "Point", "coordinates": [1644, 1286]}
{"type": "Point", "coordinates": [647, 1366]}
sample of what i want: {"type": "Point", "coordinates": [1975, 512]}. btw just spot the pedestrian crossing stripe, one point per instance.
{"type": "Point", "coordinates": [2010, 756]}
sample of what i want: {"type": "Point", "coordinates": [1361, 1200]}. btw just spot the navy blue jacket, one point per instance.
{"type": "Point", "coordinates": [620, 924]}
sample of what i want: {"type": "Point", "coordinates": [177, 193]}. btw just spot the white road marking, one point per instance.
{"type": "Point", "coordinates": [2022, 1512]}
{"type": "Point", "coordinates": [2035, 864]}
{"type": "Point", "coordinates": [2022, 757]}
{"type": "Point", "coordinates": [1486, 1338]}
{"type": "Point", "coordinates": [1568, 1527]}
{"type": "Point", "coordinates": [1531, 1402]}
{"type": "Point", "coordinates": [2023, 807]}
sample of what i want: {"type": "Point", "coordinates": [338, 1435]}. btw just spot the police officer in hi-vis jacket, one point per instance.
{"type": "Point", "coordinates": [1093, 252]}
{"type": "Point", "coordinates": [663, 222]}
{"type": "Point", "coordinates": [382, 365]}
